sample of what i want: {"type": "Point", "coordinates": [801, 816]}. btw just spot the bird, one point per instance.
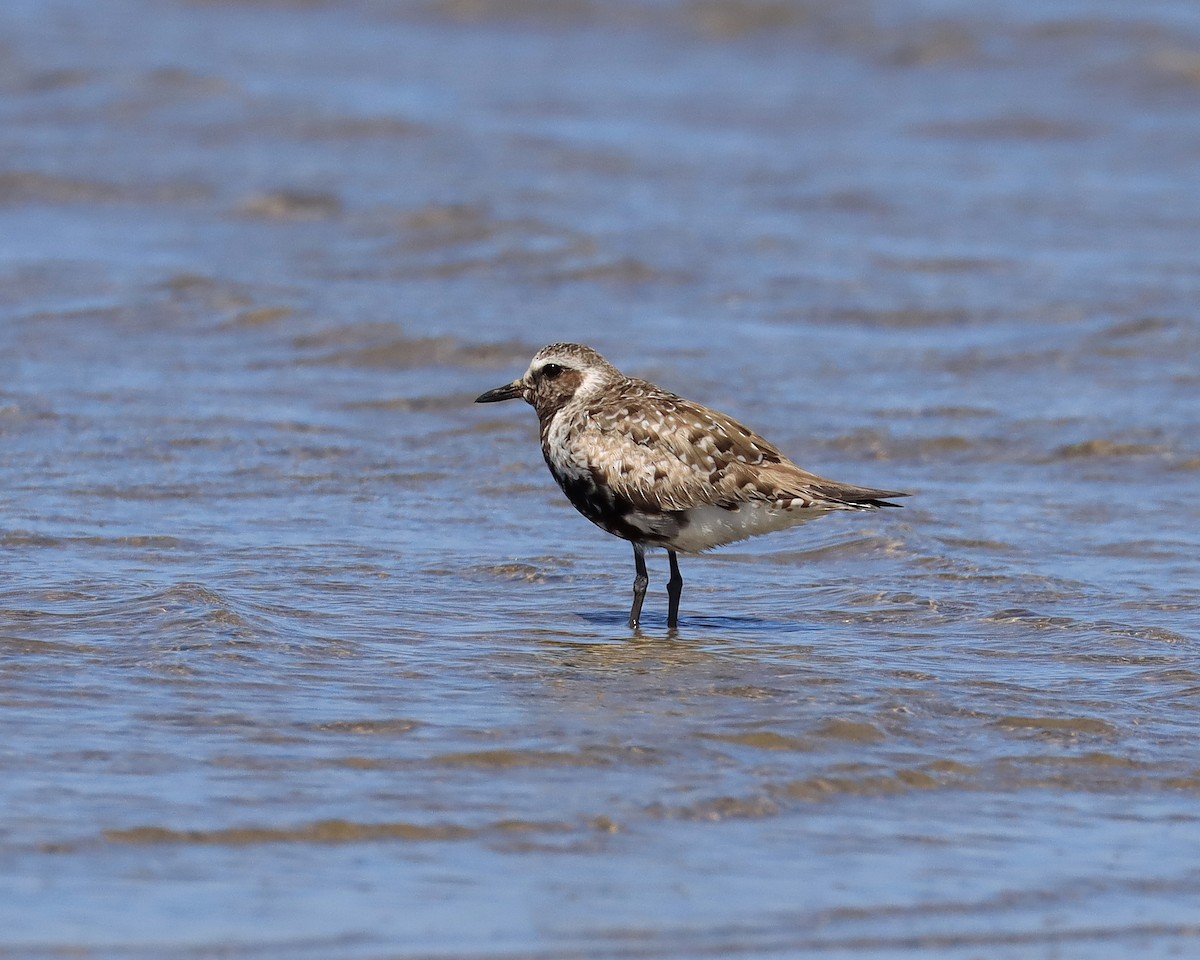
{"type": "Point", "coordinates": [650, 467]}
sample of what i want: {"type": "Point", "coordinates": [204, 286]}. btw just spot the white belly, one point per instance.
{"type": "Point", "coordinates": [709, 527]}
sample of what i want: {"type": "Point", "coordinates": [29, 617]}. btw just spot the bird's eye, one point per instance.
{"type": "Point", "coordinates": [551, 370]}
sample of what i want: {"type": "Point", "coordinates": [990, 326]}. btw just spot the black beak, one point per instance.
{"type": "Point", "coordinates": [510, 391]}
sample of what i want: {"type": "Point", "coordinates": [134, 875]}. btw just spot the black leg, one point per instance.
{"type": "Point", "coordinates": [640, 582]}
{"type": "Point", "coordinates": [674, 591]}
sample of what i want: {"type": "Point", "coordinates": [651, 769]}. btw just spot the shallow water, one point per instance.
{"type": "Point", "coordinates": [303, 655]}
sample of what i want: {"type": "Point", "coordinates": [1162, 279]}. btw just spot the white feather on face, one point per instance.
{"type": "Point", "coordinates": [563, 373]}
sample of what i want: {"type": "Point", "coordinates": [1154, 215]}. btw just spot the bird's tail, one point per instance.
{"type": "Point", "coordinates": [793, 481]}
{"type": "Point", "coordinates": [857, 498]}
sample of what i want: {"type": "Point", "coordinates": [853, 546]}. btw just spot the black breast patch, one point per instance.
{"type": "Point", "coordinates": [596, 501]}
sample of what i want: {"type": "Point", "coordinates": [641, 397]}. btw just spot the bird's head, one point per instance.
{"type": "Point", "coordinates": [557, 374]}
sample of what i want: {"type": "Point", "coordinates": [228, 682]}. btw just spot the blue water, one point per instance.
{"type": "Point", "coordinates": [302, 654]}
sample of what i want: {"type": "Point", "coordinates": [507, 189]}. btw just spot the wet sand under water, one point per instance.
{"type": "Point", "coordinates": [303, 655]}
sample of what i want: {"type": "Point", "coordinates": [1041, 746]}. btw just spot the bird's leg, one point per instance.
{"type": "Point", "coordinates": [674, 591]}
{"type": "Point", "coordinates": [640, 582]}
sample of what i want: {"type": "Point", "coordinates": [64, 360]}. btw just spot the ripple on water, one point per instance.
{"type": "Point", "coordinates": [303, 655]}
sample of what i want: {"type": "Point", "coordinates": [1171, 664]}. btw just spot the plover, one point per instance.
{"type": "Point", "coordinates": [659, 471]}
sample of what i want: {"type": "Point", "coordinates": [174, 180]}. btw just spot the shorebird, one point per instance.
{"type": "Point", "coordinates": [659, 471]}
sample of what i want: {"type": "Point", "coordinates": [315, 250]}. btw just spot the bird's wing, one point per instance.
{"type": "Point", "coordinates": [661, 452]}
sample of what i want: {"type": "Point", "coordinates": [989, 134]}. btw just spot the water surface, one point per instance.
{"type": "Point", "coordinates": [303, 655]}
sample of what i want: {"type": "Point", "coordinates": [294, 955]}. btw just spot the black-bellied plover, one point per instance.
{"type": "Point", "coordinates": [661, 471]}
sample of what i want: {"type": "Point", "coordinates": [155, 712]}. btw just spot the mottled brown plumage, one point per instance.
{"type": "Point", "coordinates": [658, 470]}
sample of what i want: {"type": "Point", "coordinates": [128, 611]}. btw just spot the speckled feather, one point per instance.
{"type": "Point", "coordinates": [654, 468]}
{"type": "Point", "coordinates": [662, 452]}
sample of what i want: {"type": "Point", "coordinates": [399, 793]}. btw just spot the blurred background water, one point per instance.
{"type": "Point", "coordinates": [302, 655]}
